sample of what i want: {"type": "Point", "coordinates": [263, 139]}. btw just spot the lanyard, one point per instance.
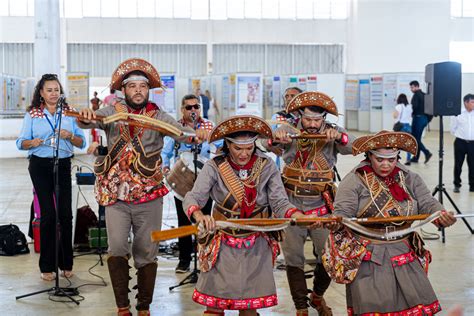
{"type": "Point", "coordinates": [56, 121]}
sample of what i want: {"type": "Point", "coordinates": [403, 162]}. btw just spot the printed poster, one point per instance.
{"type": "Point", "coordinates": [351, 93]}
{"type": "Point", "coordinates": [249, 95]}
{"type": "Point", "coordinates": [77, 89]}
{"type": "Point", "coordinates": [389, 92]}
{"type": "Point", "coordinates": [364, 94]}
{"type": "Point", "coordinates": [166, 98]}
{"type": "Point", "coordinates": [376, 92]}
{"type": "Point", "coordinates": [312, 83]}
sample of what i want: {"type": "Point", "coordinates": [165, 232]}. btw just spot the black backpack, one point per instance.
{"type": "Point", "coordinates": [12, 241]}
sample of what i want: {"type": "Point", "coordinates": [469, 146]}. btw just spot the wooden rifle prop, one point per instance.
{"type": "Point", "coordinates": [136, 120]}
{"type": "Point", "coordinates": [269, 224]}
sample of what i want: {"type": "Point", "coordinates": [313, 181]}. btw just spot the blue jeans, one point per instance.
{"type": "Point", "coordinates": [417, 127]}
{"type": "Point", "coordinates": [406, 127]}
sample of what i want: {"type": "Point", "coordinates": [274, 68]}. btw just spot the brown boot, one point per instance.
{"type": "Point", "coordinates": [146, 277]}
{"type": "Point", "coordinates": [302, 312]}
{"type": "Point", "coordinates": [208, 312]}
{"type": "Point", "coordinates": [298, 287]}
{"type": "Point", "coordinates": [118, 271]}
{"type": "Point", "coordinates": [319, 303]}
{"type": "Point", "coordinates": [124, 311]}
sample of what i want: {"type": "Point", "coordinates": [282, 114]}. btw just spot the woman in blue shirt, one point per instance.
{"type": "Point", "coordinates": [39, 136]}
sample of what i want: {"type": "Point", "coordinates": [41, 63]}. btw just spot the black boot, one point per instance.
{"type": "Point", "coordinates": [298, 287]}
{"type": "Point", "coordinates": [146, 277]}
{"type": "Point", "coordinates": [119, 276]}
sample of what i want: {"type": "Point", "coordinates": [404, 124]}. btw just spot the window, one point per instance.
{"type": "Point", "coordinates": [181, 9]}
{"type": "Point", "coordinates": [146, 8]}
{"type": "Point", "coordinates": [205, 9]}
{"type": "Point", "coordinates": [128, 8]}
{"type": "Point", "coordinates": [235, 9]}
{"type": "Point", "coordinates": [218, 9]}
{"type": "Point", "coordinates": [4, 8]}
{"type": "Point", "coordinates": [304, 9]}
{"type": "Point", "coordinates": [462, 52]}
{"type": "Point", "coordinates": [253, 9]}
{"type": "Point", "coordinates": [19, 8]}
{"type": "Point", "coordinates": [73, 8]}
{"type": "Point", "coordinates": [200, 9]}
{"type": "Point", "coordinates": [462, 8]}
{"type": "Point", "coordinates": [270, 9]}
{"type": "Point", "coordinates": [287, 9]}
{"type": "Point", "coordinates": [109, 8]}
{"type": "Point", "coordinates": [164, 9]}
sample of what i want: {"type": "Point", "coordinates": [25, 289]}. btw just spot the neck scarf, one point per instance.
{"type": "Point", "coordinates": [395, 189]}
{"type": "Point", "coordinates": [250, 190]}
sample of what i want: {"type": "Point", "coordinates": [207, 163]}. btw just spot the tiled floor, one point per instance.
{"type": "Point", "coordinates": [451, 273]}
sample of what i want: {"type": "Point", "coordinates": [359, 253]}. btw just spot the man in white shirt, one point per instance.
{"type": "Point", "coordinates": [462, 127]}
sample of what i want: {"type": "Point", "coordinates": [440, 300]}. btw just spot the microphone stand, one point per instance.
{"type": "Point", "coordinates": [192, 277]}
{"type": "Point", "coordinates": [56, 290]}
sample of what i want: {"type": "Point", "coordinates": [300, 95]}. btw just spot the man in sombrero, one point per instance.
{"type": "Point", "coordinates": [308, 177]}
{"type": "Point", "coordinates": [129, 180]}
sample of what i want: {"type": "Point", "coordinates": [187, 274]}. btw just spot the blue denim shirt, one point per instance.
{"type": "Point", "coordinates": [168, 151]}
{"type": "Point", "coordinates": [40, 126]}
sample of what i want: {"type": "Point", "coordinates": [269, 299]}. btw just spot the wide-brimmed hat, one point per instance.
{"type": "Point", "coordinates": [312, 98]}
{"type": "Point", "coordinates": [135, 64]}
{"type": "Point", "coordinates": [241, 123]}
{"type": "Point", "coordinates": [385, 139]}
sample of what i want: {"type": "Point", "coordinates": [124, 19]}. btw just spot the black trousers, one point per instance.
{"type": "Point", "coordinates": [185, 244]}
{"type": "Point", "coordinates": [463, 148]}
{"type": "Point", "coordinates": [41, 173]}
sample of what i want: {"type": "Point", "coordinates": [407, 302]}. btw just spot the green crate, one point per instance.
{"type": "Point", "coordinates": [94, 232]}
{"type": "Point", "coordinates": [94, 242]}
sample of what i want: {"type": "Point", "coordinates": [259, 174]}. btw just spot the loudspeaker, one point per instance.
{"type": "Point", "coordinates": [443, 95]}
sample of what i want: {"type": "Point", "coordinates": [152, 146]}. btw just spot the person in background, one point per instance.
{"type": "Point", "coordinates": [39, 135]}
{"type": "Point", "coordinates": [213, 108]}
{"type": "Point", "coordinates": [96, 102]}
{"type": "Point", "coordinates": [462, 127]}
{"type": "Point", "coordinates": [204, 101]}
{"type": "Point", "coordinates": [190, 109]}
{"type": "Point", "coordinates": [111, 99]}
{"type": "Point", "coordinates": [403, 114]}
{"type": "Point", "coordinates": [420, 120]}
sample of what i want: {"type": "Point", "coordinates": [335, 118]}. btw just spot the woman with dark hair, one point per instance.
{"type": "Point", "coordinates": [39, 135]}
{"type": "Point", "coordinates": [402, 114]}
{"type": "Point", "coordinates": [237, 265]}
{"type": "Point", "coordinates": [384, 274]}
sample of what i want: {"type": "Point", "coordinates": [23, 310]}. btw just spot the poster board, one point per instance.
{"type": "Point", "coordinates": [77, 94]}
{"type": "Point", "coordinates": [376, 101]}
{"type": "Point", "coordinates": [249, 94]}
{"type": "Point", "coordinates": [165, 97]}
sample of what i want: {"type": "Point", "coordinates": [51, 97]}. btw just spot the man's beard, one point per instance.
{"type": "Point", "coordinates": [313, 130]}
{"type": "Point", "coordinates": [136, 106]}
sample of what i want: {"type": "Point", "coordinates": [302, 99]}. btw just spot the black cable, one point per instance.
{"type": "Point", "coordinates": [95, 275]}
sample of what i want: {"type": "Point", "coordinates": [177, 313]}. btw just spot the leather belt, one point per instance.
{"type": "Point", "coordinates": [300, 190]}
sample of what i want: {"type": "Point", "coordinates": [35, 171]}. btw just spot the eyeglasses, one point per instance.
{"type": "Point", "coordinates": [190, 107]}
